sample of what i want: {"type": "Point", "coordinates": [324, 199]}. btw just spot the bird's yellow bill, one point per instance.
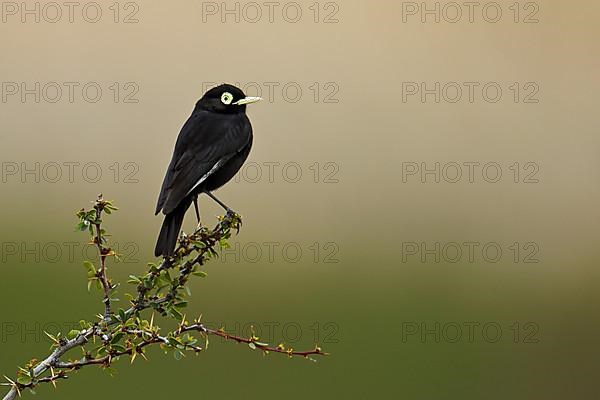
{"type": "Point", "coordinates": [247, 100]}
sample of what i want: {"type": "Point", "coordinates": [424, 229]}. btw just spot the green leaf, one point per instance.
{"type": "Point", "coordinates": [149, 282]}
{"type": "Point", "coordinates": [199, 244]}
{"type": "Point", "coordinates": [118, 347]}
{"type": "Point", "coordinates": [175, 313]}
{"type": "Point", "coordinates": [24, 380]}
{"type": "Point", "coordinates": [72, 334]}
{"type": "Point", "coordinates": [116, 337]}
{"type": "Point", "coordinates": [89, 267]}
{"type": "Point", "coordinates": [134, 279]}
{"type": "Point", "coordinates": [181, 304]}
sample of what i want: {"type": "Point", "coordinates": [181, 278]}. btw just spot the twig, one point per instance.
{"type": "Point", "coordinates": [127, 325]}
{"type": "Point", "coordinates": [49, 361]}
{"type": "Point", "coordinates": [254, 342]}
{"type": "Point", "coordinates": [102, 253]}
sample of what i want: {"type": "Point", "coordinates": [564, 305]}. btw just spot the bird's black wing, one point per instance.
{"type": "Point", "coordinates": [206, 142]}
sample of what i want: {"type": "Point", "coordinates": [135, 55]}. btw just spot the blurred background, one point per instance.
{"type": "Point", "coordinates": [421, 198]}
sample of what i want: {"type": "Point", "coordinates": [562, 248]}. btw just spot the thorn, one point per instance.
{"type": "Point", "coordinates": [53, 380]}
{"type": "Point", "coordinates": [51, 337]}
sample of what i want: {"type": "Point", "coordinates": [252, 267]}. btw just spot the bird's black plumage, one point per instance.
{"type": "Point", "coordinates": [212, 146]}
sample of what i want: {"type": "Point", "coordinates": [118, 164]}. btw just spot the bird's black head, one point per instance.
{"type": "Point", "coordinates": [225, 99]}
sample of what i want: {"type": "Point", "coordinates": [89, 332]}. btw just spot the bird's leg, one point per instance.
{"type": "Point", "coordinates": [225, 207]}
{"type": "Point", "coordinates": [197, 211]}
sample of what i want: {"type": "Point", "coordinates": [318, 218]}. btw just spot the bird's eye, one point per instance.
{"type": "Point", "coordinates": [227, 98]}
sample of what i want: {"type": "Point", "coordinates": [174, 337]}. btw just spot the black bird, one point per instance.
{"type": "Point", "coordinates": [211, 148]}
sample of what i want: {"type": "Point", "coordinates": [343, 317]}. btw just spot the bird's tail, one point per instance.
{"type": "Point", "coordinates": [167, 238]}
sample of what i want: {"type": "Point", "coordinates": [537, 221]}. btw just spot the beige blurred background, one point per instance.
{"type": "Point", "coordinates": [330, 186]}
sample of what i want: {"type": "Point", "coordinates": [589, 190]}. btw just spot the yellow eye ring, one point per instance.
{"type": "Point", "coordinates": [226, 98]}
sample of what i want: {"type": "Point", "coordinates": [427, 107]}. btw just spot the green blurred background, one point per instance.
{"type": "Point", "coordinates": [364, 285]}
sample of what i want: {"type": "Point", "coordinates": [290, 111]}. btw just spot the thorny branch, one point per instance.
{"type": "Point", "coordinates": [126, 332]}
{"type": "Point", "coordinates": [103, 252]}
